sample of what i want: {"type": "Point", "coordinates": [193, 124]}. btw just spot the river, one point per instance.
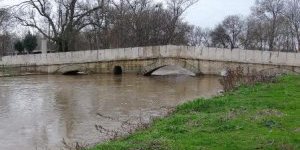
{"type": "Point", "coordinates": [38, 112]}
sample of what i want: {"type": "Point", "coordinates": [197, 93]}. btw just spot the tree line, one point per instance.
{"type": "Point", "coordinates": [99, 24]}
{"type": "Point", "coordinates": [273, 25]}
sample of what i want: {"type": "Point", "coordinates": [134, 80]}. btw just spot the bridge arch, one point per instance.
{"type": "Point", "coordinates": [118, 70]}
{"type": "Point", "coordinates": [160, 63]}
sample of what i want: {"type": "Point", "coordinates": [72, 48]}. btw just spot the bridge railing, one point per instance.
{"type": "Point", "coordinates": [168, 51]}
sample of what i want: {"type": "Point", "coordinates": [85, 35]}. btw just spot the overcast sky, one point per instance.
{"type": "Point", "coordinates": [206, 13]}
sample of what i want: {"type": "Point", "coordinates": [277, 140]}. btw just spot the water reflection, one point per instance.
{"type": "Point", "coordinates": [37, 112]}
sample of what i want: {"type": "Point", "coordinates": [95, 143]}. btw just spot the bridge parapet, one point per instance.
{"type": "Point", "coordinates": [168, 51]}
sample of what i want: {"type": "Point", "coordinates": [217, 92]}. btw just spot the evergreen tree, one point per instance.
{"type": "Point", "coordinates": [30, 42]}
{"type": "Point", "coordinates": [19, 47]}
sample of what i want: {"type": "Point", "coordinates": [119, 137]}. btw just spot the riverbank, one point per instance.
{"type": "Point", "coordinates": [264, 116]}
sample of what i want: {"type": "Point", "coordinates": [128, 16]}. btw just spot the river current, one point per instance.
{"type": "Point", "coordinates": [38, 112]}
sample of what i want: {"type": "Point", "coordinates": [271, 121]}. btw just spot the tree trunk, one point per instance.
{"type": "Point", "coordinates": [66, 46]}
{"type": "Point", "coordinates": [298, 40]}
{"type": "Point", "coordinates": [271, 43]}
{"type": "Point", "coordinates": [63, 45]}
{"type": "Point", "coordinates": [60, 46]}
{"type": "Point", "coordinates": [231, 46]}
{"type": "Point", "coordinates": [272, 34]}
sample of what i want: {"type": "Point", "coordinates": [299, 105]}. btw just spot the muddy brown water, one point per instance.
{"type": "Point", "coordinates": [38, 112]}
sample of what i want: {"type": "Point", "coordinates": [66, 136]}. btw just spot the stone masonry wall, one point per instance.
{"type": "Point", "coordinates": [169, 51]}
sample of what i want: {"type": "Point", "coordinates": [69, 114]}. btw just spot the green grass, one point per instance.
{"type": "Point", "coordinates": [264, 116]}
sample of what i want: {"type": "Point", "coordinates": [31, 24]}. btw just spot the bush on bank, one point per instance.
{"type": "Point", "coordinates": [263, 116]}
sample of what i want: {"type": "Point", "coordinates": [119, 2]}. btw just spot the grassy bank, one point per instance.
{"type": "Point", "coordinates": [264, 116]}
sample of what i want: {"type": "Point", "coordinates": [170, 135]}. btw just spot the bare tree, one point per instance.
{"type": "Point", "coordinates": [292, 13]}
{"type": "Point", "coordinates": [129, 23]}
{"type": "Point", "coordinates": [199, 37]}
{"type": "Point", "coordinates": [219, 37]}
{"type": "Point", "coordinates": [98, 33]}
{"type": "Point", "coordinates": [58, 20]}
{"type": "Point", "coordinates": [206, 38]}
{"type": "Point", "coordinates": [254, 36]}
{"type": "Point", "coordinates": [5, 37]}
{"type": "Point", "coordinates": [4, 19]}
{"type": "Point", "coordinates": [122, 27]}
{"type": "Point", "coordinates": [176, 8]}
{"type": "Point", "coordinates": [233, 26]}
{"type": "Point", "coordinates": [196, 36]}
{"type": "Point", "coordinates": [271, 11]}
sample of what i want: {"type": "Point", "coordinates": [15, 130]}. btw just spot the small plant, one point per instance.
{"type": "Point", "coordinates": [237, 77]}
{"type": "Point", "coordinates": [270, 123]}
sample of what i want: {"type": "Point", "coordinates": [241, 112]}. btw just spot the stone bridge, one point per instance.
{"type": "Point", "coordinates": [145, 60]}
